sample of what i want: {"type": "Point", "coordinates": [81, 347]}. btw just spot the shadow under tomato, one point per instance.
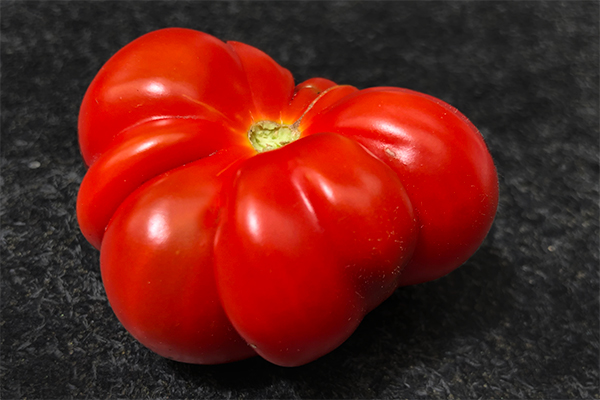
{"type": "Point", "coordinates": [416, 323]}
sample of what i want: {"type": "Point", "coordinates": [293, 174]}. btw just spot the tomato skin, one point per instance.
{"type": "Point", "coordinates": [138, 154]}
{"type": "Point", "coordinates": [161, 75]}
{"type": "Point", "coordinates": [211, 252]}
{"type": "Point", "coordinates": [156, 262]}
{"type": "Point", "coordinates": [314, 236]}
{"type": "Point", "coordinates": [442, 161]}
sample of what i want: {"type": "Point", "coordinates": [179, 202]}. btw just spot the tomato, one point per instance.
{"type": "Point", "coordinates": [237, 213]}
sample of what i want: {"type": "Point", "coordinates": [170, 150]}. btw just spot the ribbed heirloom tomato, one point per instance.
{"type": "Point", "coordinates": [238, 214]}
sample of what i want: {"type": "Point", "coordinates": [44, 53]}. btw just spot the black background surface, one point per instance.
{"type": "Point", "coordinates": [518, 320]}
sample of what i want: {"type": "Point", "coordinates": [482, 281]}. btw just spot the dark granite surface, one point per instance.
{"type": "Point", "coordinates": [518, 320]}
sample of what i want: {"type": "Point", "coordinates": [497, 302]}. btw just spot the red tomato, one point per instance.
{"type": "Point", "coordinates": [238, 214]}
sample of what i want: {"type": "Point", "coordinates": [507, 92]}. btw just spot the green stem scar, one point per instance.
{"type": "Point", "coordinates": [269, 135]}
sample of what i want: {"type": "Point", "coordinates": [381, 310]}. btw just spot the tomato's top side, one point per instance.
{"type": "Point", "coordinates": [175, 95]}
{"type": "Point", "coordinates": [171, 97]}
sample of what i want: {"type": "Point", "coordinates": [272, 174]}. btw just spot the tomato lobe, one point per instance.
{"type": "Point", "coordinates": [302, 223]}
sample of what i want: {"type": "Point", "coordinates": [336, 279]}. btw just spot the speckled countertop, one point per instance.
{"type": "Point", "coordinates": [518, 320]}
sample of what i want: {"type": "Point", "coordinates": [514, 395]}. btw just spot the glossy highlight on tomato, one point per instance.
{"type": "Point", "coordinates": [238, 213]}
